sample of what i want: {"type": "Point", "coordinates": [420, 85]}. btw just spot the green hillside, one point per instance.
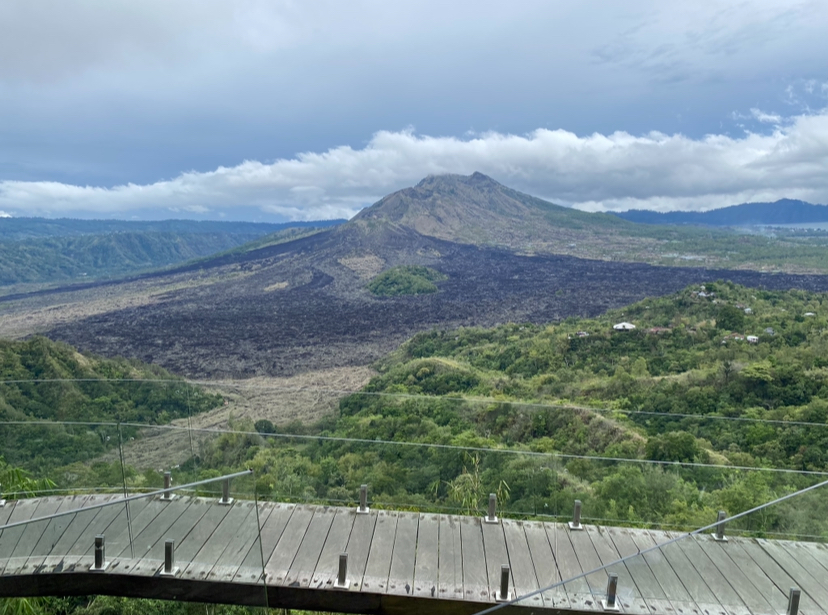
{"type": "Point", "coordinates": [36, 250]}
{"type": "Point", "coordinates": [669, 391]}
{"type": "Point", "coordinates": [36, 384]}
{"type": "Point", "coordinates": [16, 229]}
{"type": "Point", "coordinates": [91, 256]}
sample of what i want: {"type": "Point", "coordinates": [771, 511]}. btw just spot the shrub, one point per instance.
{"type": "Point", "coordinates": [406, 280]}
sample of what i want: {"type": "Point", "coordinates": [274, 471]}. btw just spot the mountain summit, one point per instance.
{"type": "Point", "coordinates": [477, 209]}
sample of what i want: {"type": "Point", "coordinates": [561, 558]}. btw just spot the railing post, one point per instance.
{"type": "Point", "coordinates": [575, 524]}
{"type": "Point", "coordinates": [610, 603]}
{"type": "Point", "coordinates": [100, 554]}
{"type": "Point", "coordinates": [169, 495]}
{"type": "Point", "coordinates": [491, 516]}
{"type": "Point", "coordinates": [342, 574]}
{"type": "Point", "coordinates": [719, 534]}
{"type": "Point", "coordinates": [225, 500]}
{"type": "Point", "coordinates": [503, 592]}
{"type": "Point", "coordinates": [363, 500]}
{"type": "Point", "coordinates": [793, 601]}
{"type": "Point", "coordinates": [170, 570]}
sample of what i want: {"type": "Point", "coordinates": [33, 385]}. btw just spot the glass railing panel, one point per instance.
{"type": "Point", "coordinates": [756, 562]}
{"type": "Point", "coordinates": [183, 537]}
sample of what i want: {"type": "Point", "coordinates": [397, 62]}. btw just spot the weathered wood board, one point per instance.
{"type": "Point", "coordinates": [287, 555]}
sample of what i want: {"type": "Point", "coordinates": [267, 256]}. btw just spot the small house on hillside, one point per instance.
{"type": "Point", "coordinates": [734, 336]}
{"type": "Point", "coordinates": [752, 339]}
{"type": "Point", "coordinates": [624, 326]}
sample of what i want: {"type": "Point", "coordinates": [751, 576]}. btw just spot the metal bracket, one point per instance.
{"type": "Point", "coordinates": [491, 516]}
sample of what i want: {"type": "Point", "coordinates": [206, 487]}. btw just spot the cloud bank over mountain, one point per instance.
{"type": "Point", "coordinates": [119, 93]}
{"type": "Point", "coordinates": [596, 172]}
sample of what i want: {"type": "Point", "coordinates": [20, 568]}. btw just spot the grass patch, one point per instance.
{"type": "Point", "coordinates": [406, 280]}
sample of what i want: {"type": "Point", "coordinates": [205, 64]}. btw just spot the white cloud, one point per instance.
{"type": "Point", "coordinates": [765, 118]}
{"type": "Point", "coordinates": [4, 214]}
{"type": "Point", "coordinates": [592, 172]}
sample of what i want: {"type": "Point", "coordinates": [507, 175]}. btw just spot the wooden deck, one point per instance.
{"type": "Point", "coordinates": [398, 562]}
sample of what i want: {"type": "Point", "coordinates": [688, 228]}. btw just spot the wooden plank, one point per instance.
{"type": "Point", "coordinates": [718, 583]}
{"type": "Point", "coordinates": [208, 555]}
{"type": "Point", "coordinates": [819, 553]}
{"type": "Point", "coordinates": [426, 568]}
{"type": "Point", "coordinates": [520, 561]}
{"type": "Point", "coordinates": [475, 573]}
{"type": "Point", "coordinates": [760, 582]}
{"type": "Point", "coordinates": [337, 543]}
{"type": "Point", "coordinates": [52, 532]}
{"type": "Point", "coordinates": [801, 574]}
{"type": "Point", "coordinates": [450, 559]}
{"type": "Point", "coordinates": [692, 581]}
{"type": "Point", "coordinates": [307, 557]}
{"type": "Point", "coordinates": [403, 558]}
{"type": "Point", "coordinates": [110, 521]}
{"type": "Point", "coordinates": [152, 560]}
{"type": "Point", "coordinates": [119, 547]}
{"type": "Point", "coordinates": [198, 535]}
{"type": "Point", "coordinates": [244, 539]}
{"type": "Point", "coordinates": [148, 537]}
{"type": "Point", "coordinates": [664, 574]}
{"type": "Point", "coordinates": [32, 531]}
{"type": "Point", "coordinates": [23, 510]}
{"type": "Point", "coordinates": [73, 526]}
{"type": "Point", "coordinates": [251, 569]}
{"type": "Point", "coordinates": [589, 560]}
{"type": "Point", "coordinates": [732, 571]}
{"type": "Point", "coordinates": [6, 511]}
{"type": "Point", "coordinates": [628, 595]}
{"type": "Point", "coordinates": [271, 531]}
{"type": "Point", "coordinates": [577, 589]}
{"type": "Point", "coordinates": [546, 568]}
{"type": "Point", "coordinates": [494, 545]}
{"type": "Point", "coordinates": [115, 527]}
{"type": "Point", "coordinates": [810, 555]}
{"type": "Point", "coordinates": [378, 566]}
{"type": "Point", "coordinates": [278, 565]}
{"type": "Point", "coordinates": [637, 588]}
{"type": "Point", "coordinates": [359, 547]}
{"type": "Point", "coordinates": [815, 550]}
{"type": "Point", "coordinates": [778, 575]}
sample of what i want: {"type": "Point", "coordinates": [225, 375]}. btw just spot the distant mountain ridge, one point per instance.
{"type": "Point", "coordinates": [783, 211]}
{"type": "Point", "coordinates": [38, 250]}
{"type": "Point", "coordinates": [16, 229]}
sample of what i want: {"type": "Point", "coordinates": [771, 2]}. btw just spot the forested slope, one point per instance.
{"type": "Point", "coordinates": [16, 229]}
{"type": "Point", "coordinates": [44, 380]}
{"type": "Point", "coordinates": [34, 250]}
{"type": "Point", "coordinates": [686, 389]}
{"type": "Point", "coordinates": [66, 258]}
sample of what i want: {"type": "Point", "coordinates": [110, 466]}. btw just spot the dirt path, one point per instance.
{"type": "Point", "coordinates": [279, 400]}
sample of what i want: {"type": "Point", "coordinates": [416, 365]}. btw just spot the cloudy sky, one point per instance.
{"type": "Point", "coordinates": [309, 109]}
